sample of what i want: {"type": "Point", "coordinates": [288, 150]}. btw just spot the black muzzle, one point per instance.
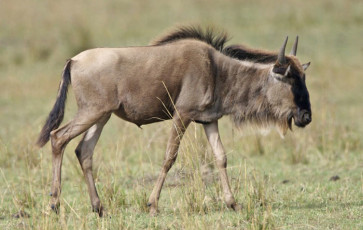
{"type": "Point", "coordinates": [303, 118]}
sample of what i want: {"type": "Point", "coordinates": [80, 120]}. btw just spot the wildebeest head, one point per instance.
{"type": "Point", "coordinates": [287, 93]}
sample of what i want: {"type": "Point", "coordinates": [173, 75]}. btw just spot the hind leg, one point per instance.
{"type": "Point", "coordinates": [59, 139]}
{"type": "Point", "coordinates": [84, 152]}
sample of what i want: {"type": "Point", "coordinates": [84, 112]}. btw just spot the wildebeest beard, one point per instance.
{"type": "Point", "coordinates": [263, 116]}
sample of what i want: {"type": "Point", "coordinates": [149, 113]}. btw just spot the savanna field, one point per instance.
{"type": "Point", "coordinates": [311, 179]}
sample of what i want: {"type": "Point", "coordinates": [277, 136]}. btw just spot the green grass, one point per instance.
{"type": "Point", "coordinates": [281, 183]}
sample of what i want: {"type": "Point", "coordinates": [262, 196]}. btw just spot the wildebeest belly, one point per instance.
{"type": "Point", "coordinates": [146, 102]}
{"type": "Point", "coordinates": [142, 114]}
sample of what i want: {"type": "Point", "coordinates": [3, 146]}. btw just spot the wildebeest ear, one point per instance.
{"type": "Point", "coordinates": [280, 72]}
{"type": "Point", "coordinates": [305, 66]}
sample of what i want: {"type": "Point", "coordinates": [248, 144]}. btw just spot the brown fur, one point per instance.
{"type": "Point", "coordinates": [185, 76]}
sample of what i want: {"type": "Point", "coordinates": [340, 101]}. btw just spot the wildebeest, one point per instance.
{"type": "Point", "coordinates": [188, 75]}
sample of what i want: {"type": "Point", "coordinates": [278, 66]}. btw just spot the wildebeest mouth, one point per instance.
{"type": "Point", "coordinates": [296, 122]}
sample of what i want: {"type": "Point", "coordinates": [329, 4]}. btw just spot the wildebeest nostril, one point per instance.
{"type": "Point", "coordinates": [306, 118]}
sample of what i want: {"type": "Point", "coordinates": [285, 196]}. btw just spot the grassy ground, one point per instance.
{"type": "Point", "coordinates": [282, 184]}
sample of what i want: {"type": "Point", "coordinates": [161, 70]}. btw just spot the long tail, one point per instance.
{"type": "Point", "coordinates": [55, 117]}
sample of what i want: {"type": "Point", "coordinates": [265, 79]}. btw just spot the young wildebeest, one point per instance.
{"type": "Point", "coordinates": [185, 76]}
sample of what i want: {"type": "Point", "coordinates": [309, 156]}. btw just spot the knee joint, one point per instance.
{"type": "Point", "coordinates": [86, 164]}
{"type": "Point", "coordinates": [222, 162]}
{"type": "Point", "coordinates": [56, 142]}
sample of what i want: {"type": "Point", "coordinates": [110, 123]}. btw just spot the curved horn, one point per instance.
{"type": "Point", "coordinates": [294, 48]}
{"type": "Point", "coordinates": [281, 57]}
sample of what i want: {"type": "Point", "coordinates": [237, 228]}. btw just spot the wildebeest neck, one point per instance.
{"type": "Point", "coordinates": [243, 90]}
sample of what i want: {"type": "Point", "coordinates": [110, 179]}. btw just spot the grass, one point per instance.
{"type": "Point", "coordinates": [282, 183]}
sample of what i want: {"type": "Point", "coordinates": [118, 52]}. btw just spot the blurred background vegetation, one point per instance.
{"type": "Point", "coordinates": [36, 37]}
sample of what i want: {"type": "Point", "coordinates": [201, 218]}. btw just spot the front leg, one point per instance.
{"type": "Point", "coordinates": [176, 135]}
{"type": "Point", "coordinates": [212, 133]}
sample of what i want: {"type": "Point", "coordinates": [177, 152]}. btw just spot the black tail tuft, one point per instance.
{"type": "Point", "coordinates": [55, 117]}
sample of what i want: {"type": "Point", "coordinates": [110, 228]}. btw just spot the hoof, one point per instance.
{"type": "Point", "coordinates": [153, 212]}
{"type": "Point", "coordinates": [55, 208]}
{"type": "Point", "coordinates": [98, 210]}
{"type": "Point", "coordinates": [236, 207]}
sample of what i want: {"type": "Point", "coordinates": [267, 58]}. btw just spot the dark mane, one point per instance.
{"type": "Point", "coordinates": [241, 52]}
{"type": "Point", "coordinates": [192, 32]}
{"type": "Point", "coordinates": [217, 41]}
